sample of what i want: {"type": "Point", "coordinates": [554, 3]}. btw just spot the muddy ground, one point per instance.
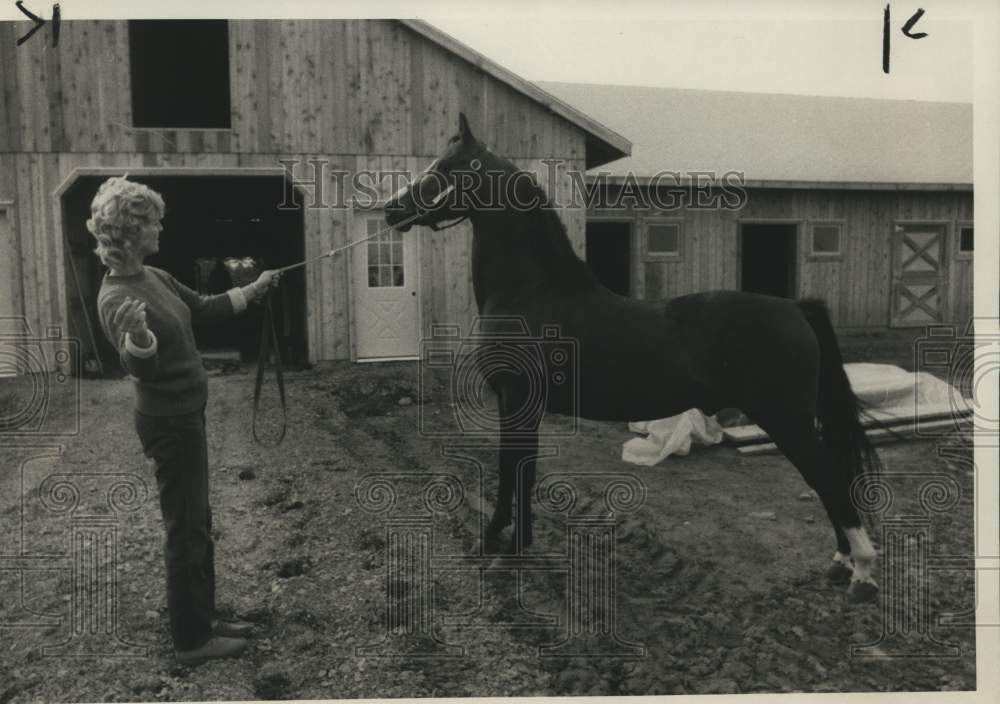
{"type": "Point", "coordinates": [717, 577]}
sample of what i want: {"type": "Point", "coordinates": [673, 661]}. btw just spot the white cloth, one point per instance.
{"type": "Point", "coordinates": [670, 436]}
{"type": "Point", "coordinates": [878, 386]}
{"type": "Point", "coordinates": [888, 386]}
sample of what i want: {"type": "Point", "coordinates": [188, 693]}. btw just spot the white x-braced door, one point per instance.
{"type": "Point", "coordinates": [385, 291]}
{"type": "Point", "coordinates": [919, 274]}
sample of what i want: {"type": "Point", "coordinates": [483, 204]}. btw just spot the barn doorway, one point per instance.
{"type": "Point", "coordinates": [609, 254]}
{"type": "Point", "coordinates": [767, 258]}
{"type": "Point", "coordinates": [218, 232]}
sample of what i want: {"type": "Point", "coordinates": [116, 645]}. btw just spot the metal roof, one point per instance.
{"type": "Point", "coordinates": [776, 139]}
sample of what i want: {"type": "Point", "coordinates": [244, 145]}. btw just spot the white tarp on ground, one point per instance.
{"type": "Point", "coordinates": [670, 436]}
{"type": "Point", "coordinates": [878, 386]}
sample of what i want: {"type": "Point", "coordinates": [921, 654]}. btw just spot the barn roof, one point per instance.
{"type": "Point", "coordinates": [777, 140]}
{"type": "Point", "coordinates": [603, 144]}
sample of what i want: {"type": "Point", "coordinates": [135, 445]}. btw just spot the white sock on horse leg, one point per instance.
{"type": "Point", "coordinates": [862, 553]}
{"type": "Point", "coordinates": [843, 559]}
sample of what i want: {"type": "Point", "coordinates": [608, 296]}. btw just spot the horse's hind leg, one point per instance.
{"type": "Point", "coordinates": [796, 437]}
{"type": "Point", "coordinates": [841, 569]}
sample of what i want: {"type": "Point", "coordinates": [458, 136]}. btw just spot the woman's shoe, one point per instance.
{"type": "Point", "coordinates": [214, 649]}
{"type": "Point", "coordinates": [232, 629]}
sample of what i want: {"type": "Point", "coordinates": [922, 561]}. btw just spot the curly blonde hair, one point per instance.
{"type": "Point", "coordinates": [118, 213]}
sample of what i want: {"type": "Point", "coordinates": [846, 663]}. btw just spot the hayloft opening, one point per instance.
{"type": "Point", "coordinates": [179, 73]}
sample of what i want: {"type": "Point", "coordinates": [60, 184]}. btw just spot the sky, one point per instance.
{"type": "Point", "coordinates": [800, 56]}
{"type": "Point", "coordinates": [814, 47]}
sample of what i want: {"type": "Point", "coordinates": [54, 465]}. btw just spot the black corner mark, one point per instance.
{"type": "Point", "coordinates": [39, 23]}
{"type": "Point", "coordinates": [885, 40]}
{"type": "Point", "coordinates": [906, 30]}
{"type": "Point", "coordinates": [912, 21]}
{"type": "Point", "coordinates": [56, 22]}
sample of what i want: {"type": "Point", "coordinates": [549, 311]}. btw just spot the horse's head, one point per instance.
{"type": "Point", "coordinates": [445, 189]}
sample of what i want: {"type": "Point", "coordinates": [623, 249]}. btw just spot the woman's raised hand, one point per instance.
{"type": "Point", "coordinates": [131, 318]}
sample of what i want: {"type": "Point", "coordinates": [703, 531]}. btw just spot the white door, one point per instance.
{"type": "Point", "coordinates": [386, 302]}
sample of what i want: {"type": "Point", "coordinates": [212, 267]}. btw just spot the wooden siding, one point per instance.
{"type": "Point", "coordinates": [341, 87]}
{"type": "Point", "coordinates": [856, 285]}
{"type": "Point", "coordinates": [37, 268]}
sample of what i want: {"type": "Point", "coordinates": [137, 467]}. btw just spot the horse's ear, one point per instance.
{"type": "Point", "coordinates": [463, 127]}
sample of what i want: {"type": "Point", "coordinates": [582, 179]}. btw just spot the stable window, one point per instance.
{"type": "Point", "coordinates": [663, 240]}
{"type": "Point", "coordinates": [180, 73]}
{"type": "Point", "coordinates": [385, 257]}
{"type": "Point", "coordinates": [965, 241]}
{"type": "Point", "coordinates": [824, 240]}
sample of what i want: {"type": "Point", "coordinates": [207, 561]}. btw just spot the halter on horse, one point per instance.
{"type": "Point", "coordinates": [778, 360]}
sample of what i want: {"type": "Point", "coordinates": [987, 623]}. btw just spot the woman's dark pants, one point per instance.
{"type": "Point", "coordinates": [178, 446]}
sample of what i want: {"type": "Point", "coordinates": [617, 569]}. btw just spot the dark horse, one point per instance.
{"type": "Point", "coordinates": [776, 359]}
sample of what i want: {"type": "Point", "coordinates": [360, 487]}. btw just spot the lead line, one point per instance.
{"type": "Point", "coordinates": [338, 250]}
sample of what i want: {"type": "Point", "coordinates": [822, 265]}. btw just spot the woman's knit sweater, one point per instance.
{"type": "Point", "coordinates": [168, 374]}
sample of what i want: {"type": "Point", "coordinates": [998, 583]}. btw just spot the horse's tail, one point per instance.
{"type": "Point", "coordinates": [839, 410]}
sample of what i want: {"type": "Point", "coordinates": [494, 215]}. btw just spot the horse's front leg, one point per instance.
{"type": "Point", "coordinates": [516, 467]}
{"type": "Point", "coordinates": [517, 455]}
{"type": "Point", "coordinates": [506, 466]}
{"type": "Point", "coordinates": [524, 472]}
{"type": "Point", "coordinates": [505, 497]}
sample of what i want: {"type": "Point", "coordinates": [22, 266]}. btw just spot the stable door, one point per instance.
{"type": "Point", "coordinates": [385, 291]}
{"type": "Point", "coordinates": [918, 274]}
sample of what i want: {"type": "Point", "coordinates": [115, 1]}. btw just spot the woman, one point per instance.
{"type": "Point", "coordinates": [146, 314]}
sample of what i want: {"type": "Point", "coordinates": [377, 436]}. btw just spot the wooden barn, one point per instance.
{"type": "Point", "coordinates": [259, 134]}
{"type": "Point", "coordinates": [866, 203]}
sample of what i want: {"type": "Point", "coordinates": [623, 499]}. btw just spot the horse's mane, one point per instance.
{"type": "Point", "coordinates": [554, 247]}
{"type": "Point", "coordinates": [550, 240]}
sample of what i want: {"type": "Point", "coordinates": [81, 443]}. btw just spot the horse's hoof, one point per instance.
{"type": "Point", "coordinates": [839, 573]}
{"type": "Point", "coordinates": [862, 592]}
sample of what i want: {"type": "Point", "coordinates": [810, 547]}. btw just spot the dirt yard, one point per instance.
{"type": "Point", "coordinates": [718, 577]}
